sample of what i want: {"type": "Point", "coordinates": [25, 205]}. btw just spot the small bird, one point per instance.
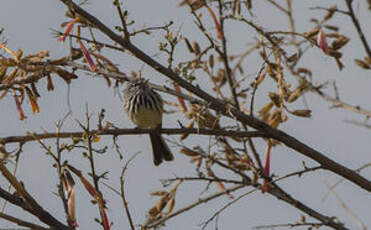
{"type": "Point", "coordinates": [144, 107]}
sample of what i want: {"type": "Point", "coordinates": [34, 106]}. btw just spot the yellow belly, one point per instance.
{"type": "Point", "coordinates": [147, 118]}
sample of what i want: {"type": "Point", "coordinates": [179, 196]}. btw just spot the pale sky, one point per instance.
{"type": "Point", "coordinates": [28, 26]}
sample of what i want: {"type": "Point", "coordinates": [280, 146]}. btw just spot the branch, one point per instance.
{"type": "Point", "coordinates": [21, 222]}
{"type": "Point", "coordinates": [208, 179]}
{"type": "Point", "coordinates": [135, 131]}
{"type": "Point", "coordinates": [221, 107]}
{"type": "Point", "coordinates": [334, 100]}
{"type": "Point", "coordinates": [358, 27]}
{"type": "Point", "coordinates": [122, 182]}
{"type": "Point", "coordinates": [26, 201]}
{"type": "Point", "coordinates": [273, 226]}
{"type": "Point", "coordinates": [194, 204]}
{"type": "Point", "coordinates": [282, 195]}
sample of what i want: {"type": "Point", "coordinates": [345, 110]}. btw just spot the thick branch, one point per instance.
{"type": "Point", "coordinates": [136, 131]}
{"type": "Point", "coordinates": [21, 222]}
{"type": "Point", "coordinates": [282, 195]}
{"type": "Point", "coordinates": [39, 212]}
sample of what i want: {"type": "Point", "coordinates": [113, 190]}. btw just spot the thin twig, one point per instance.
{"type": "Point", "coordinates": [347, 209]}
{"type": "Point", "coordinates": [194, 204]}
{"type": "Point", "coordinates": [332, 187]}
{"type": "Point", "coordinates": [274, 226]}
{"type": "Point", "coordinates": [123, 197]}
{"type": "Point", "coordinates": [358, 27]}
{"type": "Point", "coordinates": [258, 187]}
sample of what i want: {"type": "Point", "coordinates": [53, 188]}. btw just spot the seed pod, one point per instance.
{"type": "Point", "coordinates": [9, 78]}
{"type": "Point", "coordinates": [304, 71]}
{"type": "Point", "coordinates": [367, 60]}
{"type": "Point", "coordinates": [339, 63]}
{"type": "Point", "coordinates": [49, 85]}
{"type": "Point", "coordinates": [312, 32]}
{"type": "Point", "coordinates": [196, 48]}
{"type": "Point", "coordinates": [265, 109]}
{"type": "Point", "coordinates": [274, 122]}
{"type": "Point", "coordinates": [362, 64]}
{"type": "Point", "coordinates": [294, 95]}
{"type": "Point", "coordinates": [263, 55]}
{"type": "Point", "coordinates": [19, 54]}
{"type": "Point", "coordinates": [189, 152]}
{"type": "Point", "coordinates": [159, 193]}
{"type": "Point", "coordinates": [275, 98]}
{"type": "Point", "coordinates": [269, 70]}
{"type": "Point", "coordinates": [171, 205]}
{"type": "Point", "coordinates": [211, 61]}
{"type": "Point", "coordinates": [302, 113]}
{"type": "Point", "coordinates": [330, 27]}
{"type": "Point", "coordinates": [3, 70]}
{"type": "Point", "coordinates": [34, 90]}
{"type": "Point", "coordinates": [292, 58]}
{"type": "Point", "coordinates": [260, 79]}
{"type": "Point", "coordinates": [339, 42]}
{"type": "Point", "coordinates": [329, 13]}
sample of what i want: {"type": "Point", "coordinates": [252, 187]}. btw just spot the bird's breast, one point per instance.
{"type": "Point", "coordinates": [146, 118]}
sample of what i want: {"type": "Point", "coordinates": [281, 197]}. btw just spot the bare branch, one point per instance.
{"type": "Point", "coordinates": [21, 222]}
{"type": "Point", "coordinates": [123, 197]}
{"type": "Point", "coordinates": [30, 203]}
{"type": "Point", "coordinates": [136, 131]}
{"type": "Point", "coordinates": [358, 27]}
{"type": "Point", "coordinates": [193, 205]}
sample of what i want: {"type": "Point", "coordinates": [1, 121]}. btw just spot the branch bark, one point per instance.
{"type": "Point", "coordinates": [118, 132]}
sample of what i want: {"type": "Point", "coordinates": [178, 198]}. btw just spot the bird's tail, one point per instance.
{"type": "Point", "coordinates": [160, 149]}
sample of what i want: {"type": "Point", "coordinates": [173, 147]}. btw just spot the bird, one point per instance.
{"type": "Point", "coordinates": [144, 107]}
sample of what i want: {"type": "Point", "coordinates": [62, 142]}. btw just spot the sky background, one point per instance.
{"type": "Point", "coordinates": [28, 26]}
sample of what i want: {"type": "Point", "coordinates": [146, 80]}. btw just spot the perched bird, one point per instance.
{"type": "Point", "coordinates": [144, 107]}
